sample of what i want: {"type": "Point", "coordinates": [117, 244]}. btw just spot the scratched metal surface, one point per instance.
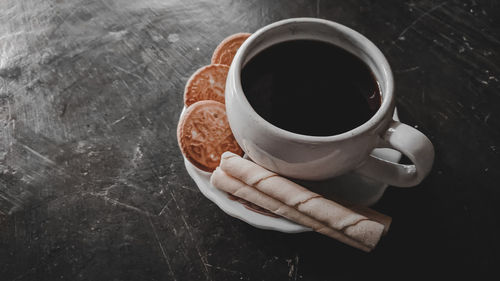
{"type": "Point", "coordinates": [93, 187]}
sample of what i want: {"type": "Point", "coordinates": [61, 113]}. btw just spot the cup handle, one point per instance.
{"type": "Point", "coordinates": [413, 144]}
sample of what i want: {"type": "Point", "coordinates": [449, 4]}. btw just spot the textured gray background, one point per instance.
{"type": "Point", "coordinates": [93, 186]}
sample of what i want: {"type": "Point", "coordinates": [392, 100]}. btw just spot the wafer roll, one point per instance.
{"type": "Point", "coordinates": [233, 186]}
{"type": "Point", "coordinates": [331, 214]}
{"type": "Point", "coordinates": [373, 215]}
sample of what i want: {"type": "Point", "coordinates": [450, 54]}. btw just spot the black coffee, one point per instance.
{"type": "Point", "coordinates": [310, 87]}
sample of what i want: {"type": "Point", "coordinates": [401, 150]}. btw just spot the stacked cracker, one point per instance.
{"type": "Point", "coordinates": [207, 142]}
{"type": "Point", "coordinates": [203, 131]}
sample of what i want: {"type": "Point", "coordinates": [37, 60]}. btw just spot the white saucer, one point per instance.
{"type": "Point", "coordinates": [350, 187]}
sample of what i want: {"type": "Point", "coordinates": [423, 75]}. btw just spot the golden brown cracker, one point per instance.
{"type": "Point", "coordinates": [204, 134]}
{"type": "Point", "coordinates": [207, 83]}
{"type": "Point", "coordinates": [225, 51]}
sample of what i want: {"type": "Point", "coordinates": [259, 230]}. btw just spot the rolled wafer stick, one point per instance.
{"type": "Point", "coordinates": [233, 186]}
{"type": "Point", "coordinates": [332, 214]}
{"type": "Point", "coordinates": [373, 215]}
{"type": "Point", "coordinates": [365, 211]}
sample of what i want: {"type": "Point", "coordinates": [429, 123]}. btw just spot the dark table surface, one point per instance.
{"type": "Point", "coordinates": [93, 186]}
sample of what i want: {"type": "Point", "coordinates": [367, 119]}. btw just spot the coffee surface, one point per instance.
{"type": "Point", "coordinates": [310, 87]}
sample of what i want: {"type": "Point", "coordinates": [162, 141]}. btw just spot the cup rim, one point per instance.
{"type": "Point", "coordinates": [373, 51]}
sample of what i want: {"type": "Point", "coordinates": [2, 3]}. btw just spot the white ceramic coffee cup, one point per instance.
{"type": "Point", "coordinates": [320, 157]}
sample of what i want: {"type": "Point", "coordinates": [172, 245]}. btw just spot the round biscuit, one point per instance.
{"type": "Point", "coordinates": [204, 134]}
{"type": "Point", "coordinates": [207, 83]}
{"type": "Point", "coordinates": [225, 51]}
